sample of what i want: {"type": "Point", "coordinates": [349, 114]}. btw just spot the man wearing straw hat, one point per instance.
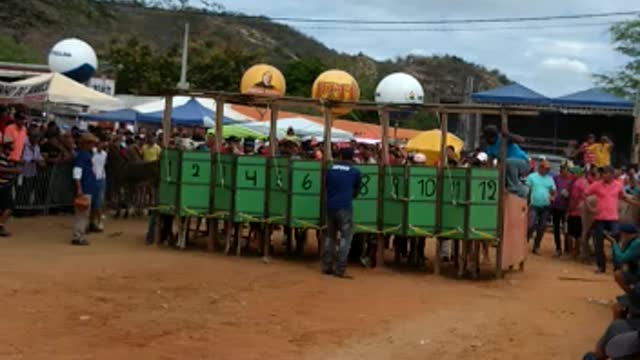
{"type": "Point", "coordinates": [86, 186]}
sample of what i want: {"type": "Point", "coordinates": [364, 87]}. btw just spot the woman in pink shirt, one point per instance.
{"type": "Point", "coordinates": [607, 192]}
{"type": "Point", "coordinates": [576, 197]}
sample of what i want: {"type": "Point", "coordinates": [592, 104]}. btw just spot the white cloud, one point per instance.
{"type": "Point", "coordinates": [566, 64]}
{"type": "Point", "coordinates": [553, 60]}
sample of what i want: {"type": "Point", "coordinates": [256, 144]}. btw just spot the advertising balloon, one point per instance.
{"type": "Point", "coordinates": [336, 85]}
{"type": "Point", "coordinates": [263, 79]}
{"type": "Point", "coordinates": [73, 58]}
{"type": "Point", "coordinates": [399, 88]}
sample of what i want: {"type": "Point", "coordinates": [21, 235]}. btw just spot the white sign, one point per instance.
{"type": "Point", "coordinates": [103, 85]}
{"type": "Point", "coordinates": [13, 93]}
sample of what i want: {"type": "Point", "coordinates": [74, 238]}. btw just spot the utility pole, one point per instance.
{"type": "Point", "coordinates": [183, 84]}
{"type": "Point", "coordinates": [466, 130]}
{"type": "Point", "coordinates": [635, 144]}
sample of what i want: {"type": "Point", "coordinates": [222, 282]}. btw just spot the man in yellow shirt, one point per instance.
{"type": "Point", "coordinates": [602, 152]}
{"type": "Point", "coordinates": [150, 150]}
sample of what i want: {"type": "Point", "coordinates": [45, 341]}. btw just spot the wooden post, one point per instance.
{"type": "Point", "coordinates": [166, 121]}
{"type": "Point", "coordinates": [273, 145]}
{"type": "Point", "coordinates": [327, 156]}
{"type": "Point", "coordinates": [384, 138]}
{"type": "Point", "coordinates": [444, 119]}
{"type": "Point", "coordinates": [213, 223]}
{"type": "Point", "coordinates": [503, 191]}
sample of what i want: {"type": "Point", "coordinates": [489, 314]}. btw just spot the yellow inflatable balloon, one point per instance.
{"type": "Point", "coordinates": [263, 79]}
{"type": "Point", "coordinates": [336, 85]}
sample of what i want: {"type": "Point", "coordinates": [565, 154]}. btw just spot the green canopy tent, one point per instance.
{"type": "Point", "coordinates": [239, 131]}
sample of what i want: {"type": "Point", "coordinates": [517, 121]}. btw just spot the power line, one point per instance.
{"type": "Point", "coordinates": [453, 21]}
{"type": "Point", "coordinates": [446, 29]}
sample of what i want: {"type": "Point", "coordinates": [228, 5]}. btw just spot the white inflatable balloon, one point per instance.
{"type": "Point", "coordinates": [399, 88]}
{"type": "Point", "coordinates": [73, 58]}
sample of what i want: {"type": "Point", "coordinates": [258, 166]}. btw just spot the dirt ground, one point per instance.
{"type": "Point", "coordinates": [120, 299]}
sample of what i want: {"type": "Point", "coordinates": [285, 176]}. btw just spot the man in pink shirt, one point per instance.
{"type": "Point", "coordinates": [18, 132]}
{"type": "Point", "coordinates": [607, 192]}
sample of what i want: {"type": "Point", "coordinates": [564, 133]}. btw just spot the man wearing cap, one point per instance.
{"type": "Point", "coordinates": [8, 173]}
{"type": "Point", "coordinates": [85, 184]}
{"type": "Point", "coordinates": [517, 162]}
{"type": "Point", "coordinates": [342, 185]}
{"type": "Point", "coordinates": [608, 191]}
{"type": "Point", "coordinates": [543, 190]}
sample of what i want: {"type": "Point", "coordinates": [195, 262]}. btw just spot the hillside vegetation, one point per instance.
{"type": "Point", "coordinates": [138, 42]}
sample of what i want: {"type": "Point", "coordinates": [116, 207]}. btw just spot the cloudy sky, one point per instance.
{"type": "Point", "coordinates": [547, 57]}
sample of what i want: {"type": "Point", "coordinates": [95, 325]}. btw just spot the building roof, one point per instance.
{"type": "Point", "coordinates": [511, 94]}
{"type": "Point", "coordinates": [595, 97]}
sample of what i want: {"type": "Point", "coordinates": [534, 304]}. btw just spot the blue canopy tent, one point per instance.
{"type": "Point", "coordinates": [593, 98]}
{"type": "Point", "coordinates": [126, 115]}
{"type": "Point", "coordinates": [511, 94]}
{"type": "Point", "coordinates": [192, 113]}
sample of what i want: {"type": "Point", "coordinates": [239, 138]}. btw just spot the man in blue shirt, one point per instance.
{"type": "Point", "coordinates": [85, 186]}
{"type": "Point", "coordinates": [543, 190]}
{"type": "Point", "coordinates": [342, 185]}
{"type": "Point", "coordinates": [517, 160]}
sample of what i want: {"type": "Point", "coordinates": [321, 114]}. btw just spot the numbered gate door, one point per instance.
{"type": "Point", "coordinates": [305, 197]}
{"type": "Point", "coordinates": [421, 206]}
{"type": "Point", "coordinates": [454, 197]}
{"type": "Point", "coordinates": [483, 203]}
{"type": "Point", "coordinates": [365, 205]}
{"type": "Point", "coordinates": [195, 180]}
{"type": "Point", "coordinates": [278, 205]}
{"type": "Point", "coordinates": [168, 184]}
{"type": "Point", "coordinates": [394, 188]}
{"type": "Point", "coordinates": [250, 188]}
{"type": "Point", "coordinates": [223, 166]}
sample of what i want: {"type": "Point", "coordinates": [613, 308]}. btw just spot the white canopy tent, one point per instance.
{"type": "Point", "coordinates": [302, 127]}
{"type": "Point", "coordinates": [63, 90]}
{"type": "Point", "coordinates": [210, 104]}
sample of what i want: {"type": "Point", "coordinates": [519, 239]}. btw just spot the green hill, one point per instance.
{"type": "Point", "coordinates": [30, 27]}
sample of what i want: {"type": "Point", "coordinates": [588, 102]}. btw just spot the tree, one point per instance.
{"type": "Point", "coordinates": [12, 51]}
{"type": "Point", "coordinates": [625, 82]}
{"type": "Point", "coordinates": [218, 69]}
{"type": "Point", "coordinates": [139, 69]}
{"type": "Point", "coordinates": [301, 74]}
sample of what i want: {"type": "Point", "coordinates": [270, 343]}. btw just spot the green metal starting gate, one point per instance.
{"type": "Point", "coordinates": [402, 200]}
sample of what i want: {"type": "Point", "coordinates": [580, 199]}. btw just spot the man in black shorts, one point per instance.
{"type": "Point", "coordinates": [8, 173]}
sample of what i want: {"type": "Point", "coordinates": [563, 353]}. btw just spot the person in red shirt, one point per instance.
{"type": "Point", "coordinates": [18, 132]}
{"type": "Point", "coordinates": [608, 191]}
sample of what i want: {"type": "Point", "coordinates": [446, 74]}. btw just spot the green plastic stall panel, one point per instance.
{"type": "Point", "coordinates": [306, 177]}
{"type": "Point", "coordinates": [483, 202]}
{"type": "Point", "coordinates": [393, 204]}
{"type": "Point", "coordinates": [278, 190]}
{"type": "Point", "coordinates": [168, 184]}
{"type": "Point", "coordinates": [421, 208]}
{"type": "Point", "coordinates": [250, 188]}
{"type": "Point", "coordinates": [223, 200]}
{"type": "Point", "coordinates": [453, 198]}
{"type": "Point", "coordinates": [195, 182]}
{"type": "Point", "coordinates": [365, 205]}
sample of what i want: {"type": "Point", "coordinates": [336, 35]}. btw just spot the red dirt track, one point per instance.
{"type": "Point", "coordinates": [120, 299]}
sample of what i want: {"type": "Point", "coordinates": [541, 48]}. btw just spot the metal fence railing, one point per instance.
{"type": "Point", "coordinates": [50, 187]}
{"type": "Point", "coordinates": [129, 186]}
